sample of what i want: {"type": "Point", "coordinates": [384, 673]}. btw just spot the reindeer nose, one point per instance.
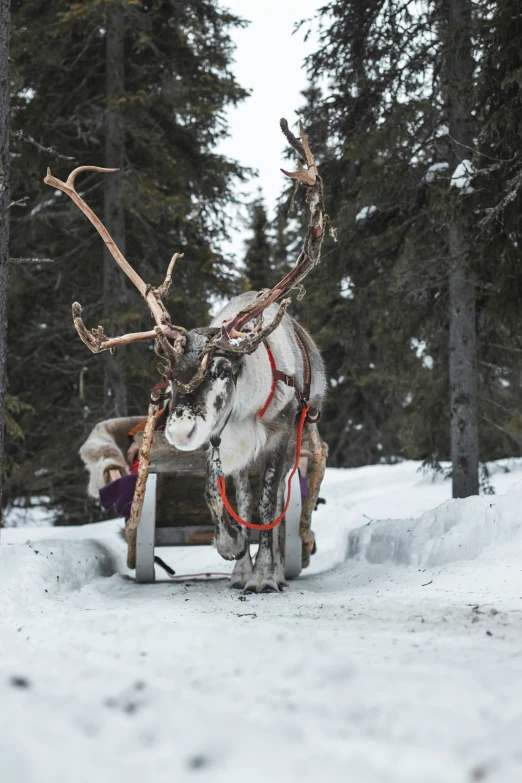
{"type": "Point", "coordinates": [180, 429]}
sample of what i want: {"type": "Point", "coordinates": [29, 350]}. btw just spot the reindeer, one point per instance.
{"type": "Point", "coordinates": [238, 387]}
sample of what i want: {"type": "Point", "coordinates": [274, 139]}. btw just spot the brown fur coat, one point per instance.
{"type": "Point", "coordinates": [105, 449]}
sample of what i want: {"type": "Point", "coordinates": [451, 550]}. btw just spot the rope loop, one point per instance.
{"type": "Point", "coordinates": [221, 484]}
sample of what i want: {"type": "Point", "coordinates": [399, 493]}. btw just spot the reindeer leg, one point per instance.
{"type": "Point", "coordinates": [264, 577]}
{"type": "Point", "coordinates": [231, 539]}
{"type": "Point", "coordinates": [319, 454]}
{"type": "Point", "coordinates": [243, 568]}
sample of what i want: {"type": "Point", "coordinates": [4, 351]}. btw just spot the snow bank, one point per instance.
{"type": "Point", "coordinates": [36, 571]}
{"type": "Point", "coordinates": [457, 530]}
{"type": "Point", "coordinates": [371, 673]}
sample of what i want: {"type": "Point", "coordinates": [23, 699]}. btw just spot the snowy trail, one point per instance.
{"type": "Point", "coordinates": [363, 671]}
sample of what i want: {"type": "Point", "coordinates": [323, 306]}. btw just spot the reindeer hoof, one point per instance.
{"type": "Point", "coordinates": [256, 585]}
{"type": "Point", "coordinates": [242, 572]}
{"type": "Point", "coordinates": [239, 580]}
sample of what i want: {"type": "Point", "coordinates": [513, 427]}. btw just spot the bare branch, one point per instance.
{"type": "Point", "coordinates": [21, 202]}
{"type": "Point", "coordinates": [504, 347]}
{"type": "Point", "coordinates": [501, 429]}
{"type": "Point", "coordinates": [21, 135]}
{"type": "Point", "coordinates": [31, 260]}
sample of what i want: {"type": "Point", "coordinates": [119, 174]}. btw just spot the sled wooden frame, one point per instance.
{"type": "Point", "coordinates": [159, 459]}
{"type": "Point", "coordinates": [148, 536]}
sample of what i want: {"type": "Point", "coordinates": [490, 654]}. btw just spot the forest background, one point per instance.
{"type": "Point", "coordinates": [414, 112]}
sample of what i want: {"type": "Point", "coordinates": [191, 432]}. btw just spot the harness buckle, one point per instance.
{"type": "Point", "coordinates": [216, 458]}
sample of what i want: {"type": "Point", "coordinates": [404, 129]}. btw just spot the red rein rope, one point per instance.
{"type": "Point", "coordinates": [221, 485]}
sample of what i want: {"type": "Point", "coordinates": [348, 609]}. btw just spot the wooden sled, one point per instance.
{"type": "Point", "coordinates": [169, 506]}
{"type": "Point", "coordinates": [174, 511]}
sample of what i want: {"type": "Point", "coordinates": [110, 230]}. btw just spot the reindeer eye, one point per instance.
{"type": "Point", "coordinates": [225, 371]}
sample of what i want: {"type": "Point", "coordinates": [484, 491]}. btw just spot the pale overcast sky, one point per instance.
{"type": "Point", "coordinates": [269, 62]}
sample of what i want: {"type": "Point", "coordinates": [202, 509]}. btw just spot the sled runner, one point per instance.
{"type": "Point", "coordinates": [174, 511]}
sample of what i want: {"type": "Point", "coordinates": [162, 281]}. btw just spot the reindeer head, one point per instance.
{"type": "Point", "coordinates": [203, 364]}
{"type": "Point", "coordinates": [199, 411]}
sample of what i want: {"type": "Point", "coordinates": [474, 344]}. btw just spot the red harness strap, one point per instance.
{"type": "Point", "coordinates": [221, 485]}
{"type": "Point", "coordinates": [303, 396]}
{"type": "Point", "coordinates": [277, 375]}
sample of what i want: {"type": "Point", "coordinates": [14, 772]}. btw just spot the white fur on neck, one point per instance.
{"type": "Point", "coordinates": [245, 435]}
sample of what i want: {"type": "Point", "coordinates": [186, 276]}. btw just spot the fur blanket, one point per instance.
{"type": "Point", "coordinates": [105, 449]}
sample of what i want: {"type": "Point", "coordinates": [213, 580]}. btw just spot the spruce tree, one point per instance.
{"type": "Point", "coordinates": [463, 369]}
{"type": "Point", "coordinates": [5, 190]}
{"type": "Point", "coordinates": [173, 186]}
{"type": "Point", "coordinates": [259, 250]}
{"type": "Point", "coordinates": [114, 288]}
{"type": "Point", "coordinates": [403, 105]}
{"type": "Point", "coordinates": [380, 302]}
{"type": "Point", "coordinates": [496, 222]}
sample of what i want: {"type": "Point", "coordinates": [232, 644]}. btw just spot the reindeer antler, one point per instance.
{"type": "Point", "coordinates": [230, 337]}
{"type": "Point", "coordinates": [310, 255]}
{"type": "Point", "coordinates": [95, 339]}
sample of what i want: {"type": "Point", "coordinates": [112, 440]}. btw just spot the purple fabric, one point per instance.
{"type": "Point", "coordinates": [119, 494]}
{"type": "Point", "coordinates": [304, 487]}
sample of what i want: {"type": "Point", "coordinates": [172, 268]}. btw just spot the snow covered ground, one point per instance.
{"type": "Point", "coordinates": [396, 658]}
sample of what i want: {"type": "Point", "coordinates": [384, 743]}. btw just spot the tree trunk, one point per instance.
{"type": "Point", "coordinates": [114, 291]}
{"type": "Point", "coordinates": [5, 196]}
{"type": "Point", "coordinates": [463, 375]}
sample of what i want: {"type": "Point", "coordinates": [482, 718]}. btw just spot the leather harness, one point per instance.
{"type": "Point", "coordinates": [277, 375]}
{"type": "Point", "coordinates": [161, 391]}
{"type": "Point", "coordinates": [305, 414]}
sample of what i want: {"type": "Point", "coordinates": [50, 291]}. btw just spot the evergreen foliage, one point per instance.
{"type": "Point", "coordinates": [377, 114]}
{"type": "Point", "coordinates": [498, 208]}
{"type": "Point", "coordinates": [5, 206]}
{"type": "Point", "coordinates": [178, 84]}
{"type": "Point", "coordinates": [259, 250]}
{"type": "Point", "coordinates": [379, 304]}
